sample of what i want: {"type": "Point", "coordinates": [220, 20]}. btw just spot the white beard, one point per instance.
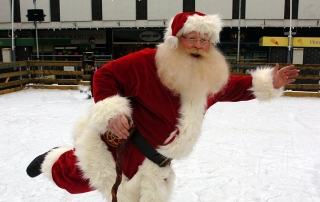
{"type": "Point", "coordinates": [190, 76]}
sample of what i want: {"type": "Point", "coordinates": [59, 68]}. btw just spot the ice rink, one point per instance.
{"type": "Point", "coordinates": [248, 151]}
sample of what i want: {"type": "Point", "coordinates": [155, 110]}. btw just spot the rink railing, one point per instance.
{"type": "Point", "coordinates": [70, 74]}
{"type": "Point", "coordinates": [15, 76]}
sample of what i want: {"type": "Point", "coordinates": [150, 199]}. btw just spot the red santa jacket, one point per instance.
{"type": "Point", "coordinates": [155, 107]}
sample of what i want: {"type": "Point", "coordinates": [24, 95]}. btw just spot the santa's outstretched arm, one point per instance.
{"type": "Point", "coordinates": [265, 83]}
{"type": "Point", "coordinates": [268, 83]}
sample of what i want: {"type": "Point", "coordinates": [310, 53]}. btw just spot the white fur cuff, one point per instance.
{"type": "Point", "coordinates": [51, 158]}
{"type": "Point", "coordinates": [262, 84]}
{"type": "Point", "coordinates": [106, 109]}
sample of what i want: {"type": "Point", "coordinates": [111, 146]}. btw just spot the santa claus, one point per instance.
{"type": "Point", "coordinates": [165, 92]}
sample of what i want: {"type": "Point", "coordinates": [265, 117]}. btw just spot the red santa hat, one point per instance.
{"type": "Point", "coordinates": [186, 22]}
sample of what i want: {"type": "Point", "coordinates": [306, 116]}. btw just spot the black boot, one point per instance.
{"type": "Point", "coordinates": [34, 168]}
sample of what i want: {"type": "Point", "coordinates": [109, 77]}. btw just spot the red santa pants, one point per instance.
{"type": "Point", "coordinates": [67, 175]}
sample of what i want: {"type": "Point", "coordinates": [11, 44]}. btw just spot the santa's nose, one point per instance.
{"type": "Point", "coordinates": [197, 44]}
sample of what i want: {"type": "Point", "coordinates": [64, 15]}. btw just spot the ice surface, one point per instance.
{"type": "Point", "coordinates": [248, 151]}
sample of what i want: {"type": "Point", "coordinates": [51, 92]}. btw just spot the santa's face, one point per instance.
{"type": "Point", "coordinates": [195, 44]}
{"type": "Point", "coordinates": [194, 67]}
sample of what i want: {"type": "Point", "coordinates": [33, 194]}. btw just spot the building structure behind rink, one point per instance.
{"type": "Point", "coordinates": [120, 27]}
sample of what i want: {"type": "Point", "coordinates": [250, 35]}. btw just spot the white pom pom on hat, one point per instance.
{"type": "Point", "coordinates": [186, 22]}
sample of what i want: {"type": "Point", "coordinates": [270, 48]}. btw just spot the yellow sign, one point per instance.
{"type": "Point", "coordinates": [306, 42]}
{"type": "Point", "coordinates": [273, 41]}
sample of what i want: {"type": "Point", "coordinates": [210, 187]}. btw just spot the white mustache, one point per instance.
{"type": "Point", "coordinates": [197, 52]}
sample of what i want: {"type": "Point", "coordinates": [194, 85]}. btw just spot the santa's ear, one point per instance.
{"type": "Point", "coordinates": [172, 41]}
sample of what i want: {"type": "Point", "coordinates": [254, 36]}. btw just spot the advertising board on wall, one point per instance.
{"type": "Point", "coordinates": [77, 37]}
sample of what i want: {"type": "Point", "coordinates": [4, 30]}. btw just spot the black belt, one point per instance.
{"type": "Point", "coordinates": [146, 149]}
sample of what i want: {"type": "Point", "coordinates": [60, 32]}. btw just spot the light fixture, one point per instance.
{"type": "Point", "coordinates": [118, 23]}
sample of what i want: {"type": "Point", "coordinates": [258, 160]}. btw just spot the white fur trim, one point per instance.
{"type": "Point", "coordinates": [262, 84]}
{"type": "Point", "coordinates": [172, 41]}
{"type": "Point", "coordinates": [97, 164]}
{"type": "Point", "coordinates": [51, 158]}
{"type": "Point", "coordinates": [106, 109]}
{"type": "Point", "coordinates": [95, 161]}
{"type": "Point", "coordinates": [79, 126]}
{"type": "Point", "coordinates": [156, 182]}
{"type": "Point", "coordinates": [189, 125]}
{"type": "Point", "coordinates": [151, 182]}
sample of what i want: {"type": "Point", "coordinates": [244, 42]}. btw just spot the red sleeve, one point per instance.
{"type": "Point", "coordinates": [121, 76]}
{"type": "Point", "coordinates": [237, 89]}
{"type": "Point", "coordinates": [106, 83]}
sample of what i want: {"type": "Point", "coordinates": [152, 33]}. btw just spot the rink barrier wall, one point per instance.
{"type": "Point", "coordinates": [15, 76]}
